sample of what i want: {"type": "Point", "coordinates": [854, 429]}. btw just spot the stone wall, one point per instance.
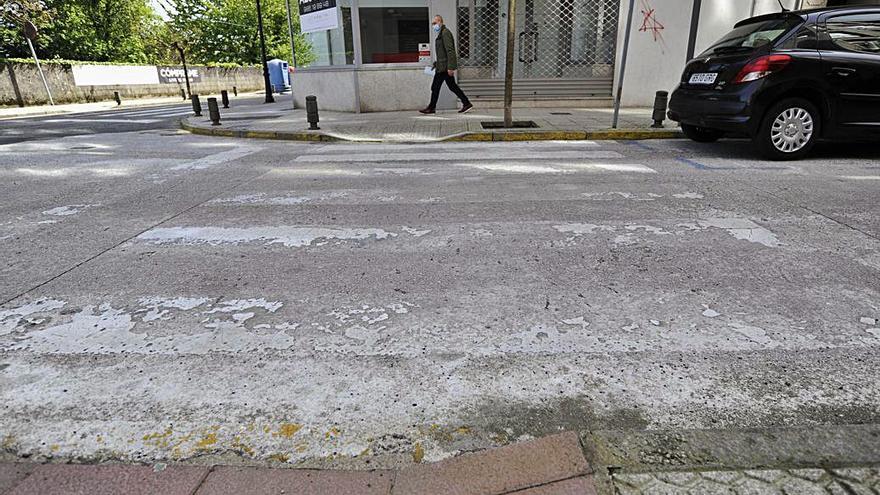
{"type": "Point", "coordinates": [20, 84]}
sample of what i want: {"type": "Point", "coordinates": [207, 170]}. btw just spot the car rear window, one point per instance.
{"type": "Point", "coordinates": [750, 36]}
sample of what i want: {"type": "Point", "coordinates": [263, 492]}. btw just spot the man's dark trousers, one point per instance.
{"type": "Point", "coordinates": [439, 78]}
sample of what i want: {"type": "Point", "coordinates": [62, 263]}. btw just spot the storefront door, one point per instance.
{"type": "Point", "coordinates": [563, 48]}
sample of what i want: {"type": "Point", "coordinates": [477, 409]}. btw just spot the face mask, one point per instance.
{"type": "Point", "coordinates": [436, 28]}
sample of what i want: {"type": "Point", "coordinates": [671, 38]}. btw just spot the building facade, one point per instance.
{"type": "Point", "coordinates": [567, 52]}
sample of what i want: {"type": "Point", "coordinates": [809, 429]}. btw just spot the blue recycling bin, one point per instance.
{"type": "Point", "coordinates": [279, 77]}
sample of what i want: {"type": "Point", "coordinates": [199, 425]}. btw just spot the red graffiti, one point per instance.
{"type": "Point", "coordinates": [650, 22]}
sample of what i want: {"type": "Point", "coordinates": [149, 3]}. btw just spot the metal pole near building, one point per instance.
{"type": "Point", "coordinates": [508, 63]}
{"type": "Point", "coordinates": [30, 33]}
{"type": "Point", "coordinates": [695, 24]}
{"type": "Point", "coordinates": [626, 34]}
{"type": "Point", "coordinates": [185, 70]}
{"type": "Point", "coordinates": [292, 49]}
{"type": "Point", "coordinates": [269, 98]}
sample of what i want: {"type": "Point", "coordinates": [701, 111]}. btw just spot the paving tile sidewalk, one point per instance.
{"type": "Point", "coordinates": [553, 465]}
{"type": "Point", "coordinates": [280, 121]}
{"type": "Point", "coordinates": [13, 112]}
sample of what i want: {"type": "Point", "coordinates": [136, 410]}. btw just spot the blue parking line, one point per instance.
{"type": "Point", "coordinates": [691, 163]}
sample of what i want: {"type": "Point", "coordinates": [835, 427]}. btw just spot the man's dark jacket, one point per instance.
{"type": "Point", "coordinates": [445, 50]}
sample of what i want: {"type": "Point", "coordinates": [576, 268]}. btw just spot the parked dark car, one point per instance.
{"type": "Point", "coordinates": [786, 80]}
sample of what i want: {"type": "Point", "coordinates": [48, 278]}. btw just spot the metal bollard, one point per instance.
{"type": "Point", "coordinates": [234, 91]}
{"type": "Point", "coordinates": [225, 98]}
{"type": "Point", "coordinates": [661, 99]}
{"type": "Point", "coordinates": [312, 112]}
{"type": "Point", "coordinates": [182, 93]}
{"type": "Point", "coordinates": [214, 111]}
{"type": "Point", "coordinates": [117, 98]}
{"type": "Point", "coordinates": [197, 105]}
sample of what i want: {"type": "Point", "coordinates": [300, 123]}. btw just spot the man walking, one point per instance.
{"type": "Point", "coordinates": [445, 67]}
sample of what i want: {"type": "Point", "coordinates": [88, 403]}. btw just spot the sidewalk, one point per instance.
{"type": "Point", "coordinates": [70, 108]}
{"type": "Point", "coordinates": [819, 459]}
{"type": "Point", "coordinates": [279, 121]}
{"type": "Point", "coordinates": [550, 466]}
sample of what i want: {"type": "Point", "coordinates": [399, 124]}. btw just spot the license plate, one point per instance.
{"type": "Point", "coordinates": [703, 78]}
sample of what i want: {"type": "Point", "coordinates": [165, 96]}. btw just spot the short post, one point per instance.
{"type": "Point", "coordinates": [312, 112]}
{"type": "Point", "coordinates": [197, 105]}
{"type": "Point", "coordinates": [183, 94]}
{"type": "Point", "coordinates": [660, 101]}
{"type": "Point", "coordinates": [234, 91]}
{"type": "Point", "coordinates": [117, 98]}
{"type": "Point", "coordinates": [225, 98]}
{"type": "Point", "coordinates": [213, 111]}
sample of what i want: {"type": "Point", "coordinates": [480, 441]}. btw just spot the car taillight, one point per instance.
{"type": "Point", "coordinates": [762, 67]}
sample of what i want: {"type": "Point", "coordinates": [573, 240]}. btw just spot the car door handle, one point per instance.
{"type": "Point", "coordinates": [843, 71]}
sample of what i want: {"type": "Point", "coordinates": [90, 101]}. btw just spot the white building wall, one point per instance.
{"type": "Point", "coordinates": [657, 55]}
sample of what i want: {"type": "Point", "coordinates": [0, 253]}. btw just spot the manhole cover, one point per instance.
{"type": "Point", "coordinates": [517, 124]}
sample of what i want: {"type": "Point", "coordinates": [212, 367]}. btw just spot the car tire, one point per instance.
{"type": "Point", "coordinates": [701, 134]}
{"type": "Point", "coordinates": [789, 130]}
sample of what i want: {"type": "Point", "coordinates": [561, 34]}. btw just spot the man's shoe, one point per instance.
{"type": "Point", "coordinates": [427, 111]}
{"type": "Point", "coordinates": [466, 108]}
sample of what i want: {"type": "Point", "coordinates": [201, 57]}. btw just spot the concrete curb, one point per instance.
{"type": "Point", "coordinates": [599, 135]}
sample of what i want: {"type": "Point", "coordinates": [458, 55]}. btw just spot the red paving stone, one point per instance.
{"type": "Point", "coordinates": [256, 481]}
{"type": "Point", "coordinates": [12, 474]}
{"type": "Point", "coordinates": [498, 471]}
{"type": "Point", "coordinates": [70, 479]}
{"type": "Point", "coordinates": [549, 466]}
{"type": "Point", "coordinates": [574, 486]}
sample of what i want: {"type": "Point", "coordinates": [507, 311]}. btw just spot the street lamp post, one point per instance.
{"type": "Point", "coordinates": [269, 97]}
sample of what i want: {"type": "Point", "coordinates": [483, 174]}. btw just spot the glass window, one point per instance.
{"type": "Point", "coordinates": [391, 30]}
{"type": "Point", "coordinates": [857, 33]}
{"type": "Point", "coordinates": [748, 37]}
{"type": "Point", "coordinates": [334, 46]}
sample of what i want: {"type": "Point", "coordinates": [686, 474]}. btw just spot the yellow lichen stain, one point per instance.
{"type": "Point", "coordinates": [158, 439]}
{"type": "Point", "coordinates": [418, 453]}
{"type": "Point", "coordinates": [287, 430]}
{"type": "Point", "coordinates": [54, 447]}
{"type": "Point", "coordinates": [266, 429]}
{"type": "Point", "coordinates": [301, 447]}
{"type": "Point", "coordinates": [279, 457]}
{"type": "Point", "coordinates": [239, 445]}
{"type": "Point", "coordinates": [333, 432]}
{"type": "Point", "coordinates": [367, 451]}
{"type": "Point", "coordinates": [100, 439]}
{"type": "Point", "coordinates": [207, 441]}
{"type": "Point", "coordinates": [176, 449]}
{"type": "Point", "coordinates": [463, 430]}
{"type": "Point", "coordinates": [8, 442]}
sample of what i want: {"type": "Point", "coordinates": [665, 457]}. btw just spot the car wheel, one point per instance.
{"type": "Point", "coordinates": [701, 134]}
{"type": "Point", "coordinates": [789, 130]}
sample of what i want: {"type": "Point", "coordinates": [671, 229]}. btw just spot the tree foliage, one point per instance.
{"type": "Point", "coordinates": [210, 31]}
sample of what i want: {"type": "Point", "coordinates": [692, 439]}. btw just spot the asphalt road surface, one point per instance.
{"type": "Point", "coordinates": [116, 120]}
{"type": "Point", "coordinates": [166, 296]}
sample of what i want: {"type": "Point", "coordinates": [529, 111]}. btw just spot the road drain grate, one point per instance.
{"type": "Point", "coordinates": [517, 124]}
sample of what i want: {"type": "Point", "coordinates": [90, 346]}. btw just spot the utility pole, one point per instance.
{"type": "Point", "coordinates": [30, 33]}
{"type": "Point", "coordinates": [292, 66]}
{"type": "Point", "coordinates": [269, 97]}
{"type": "Point", "coordinates": [695, 25]}
{"type": "Point", "coordinates": [629, 22]}
{"type": "Point", "coordinates": [185, 70]}
{"type": "Point", "coordinates": [508, 63]}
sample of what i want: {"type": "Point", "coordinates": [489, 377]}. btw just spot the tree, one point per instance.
{"type": "Point", "coordinates": [225, 30]}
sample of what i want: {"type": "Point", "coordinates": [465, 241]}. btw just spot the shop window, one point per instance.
{"type": "Point", "coordinates": [391, 30]}
{"type": "Point", "coordinates": [334, 46]}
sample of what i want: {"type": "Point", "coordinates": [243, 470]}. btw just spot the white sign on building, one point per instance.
{"type": "Point", "coordinates": [318, 15]}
